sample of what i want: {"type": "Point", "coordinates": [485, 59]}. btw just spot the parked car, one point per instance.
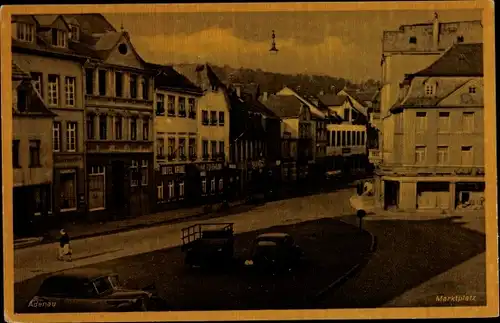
{"type": "Point", "coordinates": [275, 251]}
{"type": "Point", "coordinates": [89, 290]}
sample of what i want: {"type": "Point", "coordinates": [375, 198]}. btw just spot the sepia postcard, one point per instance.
{"type": "Point", "coordinates": [249, 161]}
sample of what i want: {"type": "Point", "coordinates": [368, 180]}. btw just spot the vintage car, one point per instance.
{"type": "Point", "coordinates": [89, 290]}
{"type": "Point", "coordinates": [275, 250]}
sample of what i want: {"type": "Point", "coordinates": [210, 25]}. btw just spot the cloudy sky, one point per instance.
{"type": "Point", "coordinates": [343, 44]}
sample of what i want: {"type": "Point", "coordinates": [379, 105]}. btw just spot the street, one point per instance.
{"type": "Point", "coordinates": [408, 253]}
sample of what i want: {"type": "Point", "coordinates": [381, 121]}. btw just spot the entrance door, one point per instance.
{"type": "Point", "coordinates": [120, 202]}
{"type": "Point", "coordinates": [391, 194]}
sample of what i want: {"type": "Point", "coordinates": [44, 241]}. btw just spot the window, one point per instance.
{"type": "Point", "coordinates": [192, 147]}
{"type": "Point", "coordinates": [472, 89]}
{"type": "Point", "coordinates": [171, 147]}
{"type": "Point", "coordinates": [221, 148]}
{"type": "Point", "coordinates": [160, 148]}
{"type": "Point", "coordinates": [468, 122]}
{"type": "Point", "coordinates": [221, 184]}
{"type": "Point", "coordinates": [363, 138]}
{"type": "Point", "coordinates": [56, 136]}
{"type": "Point", "coordinates": [25, 32]}
{"type": "Point", "coordinates": [118, 127]}
{"type": "Point", "coordinates": [346, 115]}
{"type": "Point", "coordinates": [358, 138]}
{"type": "Point", "coordinates": [145, 129]}
{"type": "Point", "coordinates": [133, 128]}
{"type": "Point", "coordinates": [171, 105]}
{"type": "Point", "coordinates": [181, 190]}
{"type": "Point", "coordinates": [134, 169]}
{"type": "Point", "coordinates": [182, 106]}
{"type": "Point", "coordinates": [15, 154]}
{"type": "Point", "coordinates": [37, 82]}
{"type": "Point", "coordinates": [89, 81]}
{"type": "Point", "coordinates": [213, 118]}
{"type": "Point", "coordinates": [133, 86]}
{"type": "Point", "coordinates": [90, 126]}
{"type": "Point", "coordinates": [53, 89]}
{"type": "Point", "coordinates": [205, 149]}
{"type": "Point", "coordinates": [144, 173]}
{"type": "Point", "coordinates": [442, 155]}
{"type": "Point", "coordinates": [59, 38]}
{"type": "Point", "coordinates": [213, 148]}
{"type": "Point", "coordinates": [69, 88]}
{"type": "Point", "coordinates": [75, 33]}
{"type": "Point", "coordinates": [71, 136]}
{"type": "Point", "coordinates": [460, 39]}
{"type": "Point", "coordinates": [348, 138]}
{"type": "Point", "coordinates": [412, 40]}
{"type": "Point", "coordinates": [204, 186]}
{"type": "Point", "coordinates": [97, 188]}
{"type": "Point", "coordinates": [421, 124]}
{"type": "Point", "coordinates": [182, 148]}
{"type": "Point", "coordinates": [160, 104]}
{"type": "Point", "coordinates": [34, 153]}
{"type": "Point", "coordinates": [212, 186]}
{"type": "Point", "coordinates": [102, 82]}
{"type": "Point", "coordinates": [145, 88]}
{"type": "Point", "coordinates": [192, 108]}
{"type": "Point", "coordinates": [159, 192]}
{"type": "Point", "coordinates": [68, 190]}
{"type": "Point", "coordinates": [103, 127]}
{"type": "Point", "coordinates": [204, 117]}
{"type": "Point", "coordinates": [467, 157]}
{"type": "Point", "coordinates": [22, 99]}
{"type": "Point", "coordinates": [171, 190]}
{"type": "Point", "coordinates": [343, 138]}
{"type": "Point", "coordinates": [430, 89]}
{"type": "Point", "coordinates": [420, 154]}
{"type": "Point", "coordinates": [118, 84]}
{"type": "Point", "coordinates": [221, 118]}
{"type": "Point", "coordinates": [444, 122]}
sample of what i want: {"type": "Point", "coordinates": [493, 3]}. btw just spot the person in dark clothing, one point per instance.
{"type": "Point", "coordinates": [64, 246]}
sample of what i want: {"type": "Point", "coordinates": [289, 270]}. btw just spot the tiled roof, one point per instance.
{"type": "Point", "coordinates": [45, 20]}
{"type": "Point", "coordinates": [168, 78]}
{"type": "Point", "coordinates": [94, 23]}
{"type": "Point", "coordinates": [36, 104]}
{"type": "Point", "coordinates": [459, 60]}
{"type": "Point", "coordinates": [18, 73]}
{"type": "Point", "coordinates": [332, 99]}
{"type": "Point", "coordinates": [284, 106]}
{"type": "Point", "coordinates": [107, 41]}
{"type": "Point", "coordinates": [201, 75]}
{"type": "Point", "coordinates": [257, 107]}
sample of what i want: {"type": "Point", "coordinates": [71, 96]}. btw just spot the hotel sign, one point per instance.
{"type": "Point", "coordinates": [210, 167]}
{"type": "Point", "coordinates": [346, 150]}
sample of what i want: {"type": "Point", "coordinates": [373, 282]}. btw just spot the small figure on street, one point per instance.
{"type": "Point", "coordinates": [64, 247]}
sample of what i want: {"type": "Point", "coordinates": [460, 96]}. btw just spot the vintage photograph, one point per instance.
{"type": "Point", "coordinates": [229, 160]}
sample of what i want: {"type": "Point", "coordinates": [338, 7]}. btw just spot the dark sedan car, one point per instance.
{"type": "Point", "coordinates": [275, 250]}
{"type": "Point", "coordinates": [88, 290]}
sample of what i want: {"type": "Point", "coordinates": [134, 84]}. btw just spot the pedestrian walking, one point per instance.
{"type": "Point", "coordinates": [64, 247]}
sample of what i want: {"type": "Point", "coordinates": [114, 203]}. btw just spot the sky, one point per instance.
{"type": "Point", "coordinates": [339, 44]}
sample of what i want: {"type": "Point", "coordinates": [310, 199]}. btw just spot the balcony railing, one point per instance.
{"type": "Point", "coordinates": [432, 170]}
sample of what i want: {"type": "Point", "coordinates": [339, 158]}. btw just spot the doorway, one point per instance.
{"type": "Point", "coordinates": [391, 194]}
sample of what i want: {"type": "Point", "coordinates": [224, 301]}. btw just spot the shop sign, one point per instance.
{"type": "Point", "coordinates": [180, 169]}
{"type": "Point", "coordinates": [232, 166]}
{"type": "Point", "coordinates": [346, 150]}
{"type": "Point", "coordinates": [210, 167]}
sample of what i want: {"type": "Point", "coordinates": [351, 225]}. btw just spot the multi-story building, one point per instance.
{"type": "Point", "coordinates": [44, 46]}
{"type": "Point", "coordinates": [176, 129]}
{"type": "Point", "coordinates": [412, 48]}
{"type": "Point", "coordinates": [32, 158]}
{"type": "Point", "coordinates": [213, 128]}
{"type": "Point", "coordinates": [118, 91]}
{"type": "Point", "coordinates": [434, 153]}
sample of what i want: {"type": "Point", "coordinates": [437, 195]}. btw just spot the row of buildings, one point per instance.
{"type": "Point", "coordinates": [430, 114]}
{"type": "Point", "coordinates": [99, 133]}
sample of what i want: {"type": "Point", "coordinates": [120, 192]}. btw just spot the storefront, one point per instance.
{"type": "Point", "coordinates": [171, 182]}
{"type": "Point", "coordinates": [32, 208]}
{"type": "Point", "coordinates": [212, 181]}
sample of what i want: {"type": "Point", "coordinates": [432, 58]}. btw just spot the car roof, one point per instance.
{"type": "Point", "coordinates": [273, 235]}
{"type": "Point", "coordinates": [266, 244]}
{"type": "Point", "coordinates": [84, 273]}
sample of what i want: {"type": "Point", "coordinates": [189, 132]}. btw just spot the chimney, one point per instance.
{"type": "Point", "coordinates": [435, 32]}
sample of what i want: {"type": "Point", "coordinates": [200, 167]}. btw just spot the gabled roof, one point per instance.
{"type": "Point", "coordinates": [168, 78]}
{"type": "Point", "coordinates": [18, 73]}
{"type": "Point", "coordinates": [93, 23]}
{"type": "Point", "coordinates": [201, 75]}
{"type": "Point", "coordinates": [46, 20]}
{"type": "Point", "coordinates": [332, 99]}
{"type": "Point", "coordinates": [459, 60]}
{"type": "Point", "coordinates": [284, 106]}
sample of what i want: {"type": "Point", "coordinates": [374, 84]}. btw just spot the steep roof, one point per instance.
{"type": "Point", "coordinates": [46, 20]}
{"type": "Point", "coordinates": [284, 106]}
{"type": "Point", "coordinates": [18, 73]}
{"type": "Point", "coordinates": [93, 23]}
{"type": "Point", "coordinates": [201, 75]}
{"type": "Point", "coordinates": [459, 60]}
{"type": "Point", "coordinates": [332, 99]}
{"type": "Point", "coordinates": [169, 79]}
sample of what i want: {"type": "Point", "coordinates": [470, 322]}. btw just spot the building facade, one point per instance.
{"type": "Point", "coordinates": [43, 46]}
{"type": "Point", "coordinates": [32, 158]}
{"type": "Point", "coordinates": [434, 156]}
{"type": "Point", "coordinates": [176, 131]}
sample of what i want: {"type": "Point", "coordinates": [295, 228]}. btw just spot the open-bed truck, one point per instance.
{"type": "Point", "coordinates": [208, 244]}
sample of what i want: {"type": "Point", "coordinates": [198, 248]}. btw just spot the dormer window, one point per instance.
{"type": "Point", "coordinates": [413, 40]}
{"type": "Point", "coordinates": [25, 32]}
{"type": "Point", "coordinates": [22, 100]}
{"type": "Point", "coordinates": [74, 33]}
{"type": "Point", "coordinates": [59, 38]}
{"type": "Point", "coordinates": [460, 39]}
{"type": "Point", "coordinates": [472, 89]}
{"type": "Point", "coordinates": [430, 89]}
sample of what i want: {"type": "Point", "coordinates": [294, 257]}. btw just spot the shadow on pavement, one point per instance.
{"type": "Point", "coordinates": [409, 253]}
